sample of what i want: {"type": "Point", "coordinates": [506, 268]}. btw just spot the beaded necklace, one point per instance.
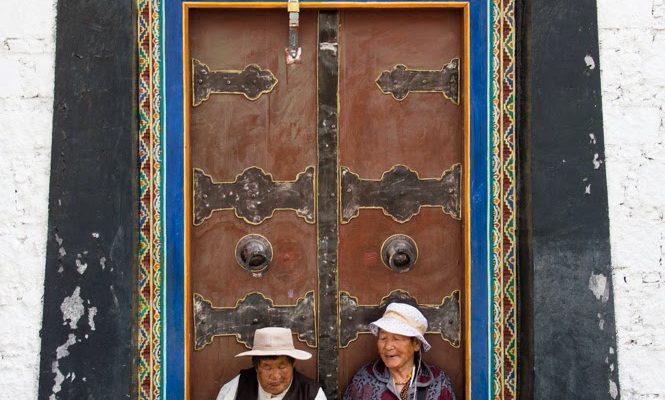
{"type": "Point", "coordinates": [404, 393]}
{"type": "Point", "coordinates": [408, 379]}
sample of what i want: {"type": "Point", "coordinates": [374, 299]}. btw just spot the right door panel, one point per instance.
{"type": "Point", "coordinates": [401, 157]}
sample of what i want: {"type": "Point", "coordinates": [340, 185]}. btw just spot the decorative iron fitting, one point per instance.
{"type": "Point", "coordinates": [400, 193]}
{"type": "Point", "coordinates": [252, 312]}
{"type": "Point", "coordinates": [254, 195]}
{"type": "Point", "coordinates": [443, 318]}
{"type": "Point", "coordinates": [293, 51]}
{"type": "Point", "coordinates": [251, 82]}
{"type": "Point", "coordinates": [400, 81]}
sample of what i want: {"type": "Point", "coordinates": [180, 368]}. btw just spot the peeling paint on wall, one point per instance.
{"type": "Point", "coordinates": [596, 161]}
{"type": "Point", "coordinates": [72, 308]}
{"type": "Point", "coordinates": [614, 391]}
{"type": "Point", "coordinates": [57, 381]}
{"type": "Point", "coordinates": [61, 352]}
{"type": "Point", "coordinates": [80, 266]}
{"type": "Point", "coordinates": [92, 311]}
{"type": "Point", "coordinates": [599, 286]}
{"type": "Point", "coordinates": [116, 304]}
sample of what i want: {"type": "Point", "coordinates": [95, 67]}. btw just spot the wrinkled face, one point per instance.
{"type": "Point", "coordinates": [275, 375]}
{"type": "Point", "coordinates": [397, 351]}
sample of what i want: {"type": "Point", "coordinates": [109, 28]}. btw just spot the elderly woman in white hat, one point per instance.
{"type": "Point", "coordinates": [273, 375]}
{"type": "Point", "coordinates": [400, 373]}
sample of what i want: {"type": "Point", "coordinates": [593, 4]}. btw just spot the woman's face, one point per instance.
{"type": "Point", "coordinates": [397, 351]}
{"type": "Point", "coordinates": [275, 374]}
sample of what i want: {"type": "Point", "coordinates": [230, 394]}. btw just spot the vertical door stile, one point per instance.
{"type": "Point", "coordinates": [327, 208]}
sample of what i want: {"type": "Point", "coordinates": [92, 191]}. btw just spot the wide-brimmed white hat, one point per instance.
{"type": "Point", "coordinates": [402, 319]}
{"type": "Point", "coordinates": [273, 341]}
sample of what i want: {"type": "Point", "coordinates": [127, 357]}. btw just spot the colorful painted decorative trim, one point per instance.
{"type": "Point", "coordinates": [503, 239]}
{"type": "Point", "coordinates": [150, 203]}
{"type": "Point", "coordinates": [504, 287]}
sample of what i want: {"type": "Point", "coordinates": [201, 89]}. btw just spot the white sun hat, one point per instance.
{"type": "Point", "coordinates": [273, 341]}
{"type": "Point", "coordinates": [402, 319]}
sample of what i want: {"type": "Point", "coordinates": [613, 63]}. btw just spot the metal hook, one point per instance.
{"type": "Point", "coordinates": [293, 51]}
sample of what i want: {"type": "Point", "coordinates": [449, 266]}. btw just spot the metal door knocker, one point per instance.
{"type": "Point", "coordinates": [399, 253]}
{"type": "Point", "coordinates": [254, 254]}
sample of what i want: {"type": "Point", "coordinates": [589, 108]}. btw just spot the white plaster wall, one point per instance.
{"type": "Point", "coordinates": [27, 50]}
{"type": "Point", "coordinates": [632, 53]}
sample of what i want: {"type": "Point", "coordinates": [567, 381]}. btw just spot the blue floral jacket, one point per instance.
{"type": "Point", "coordinates": [372, 382]}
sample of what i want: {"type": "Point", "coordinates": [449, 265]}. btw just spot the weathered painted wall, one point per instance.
{"type": "Point", "coordinates": [565, 228]}
{"type": "Point", "coordinates": [87, 346]}
{"type": "Point", "coordinates": [632, 48]}
{"type": "Point", "coordinates": [632, 42]}
{"type": "Point", "coordinates": [27, 49]}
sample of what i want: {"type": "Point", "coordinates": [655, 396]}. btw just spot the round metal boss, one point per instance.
{"type": "Point", "coordinates": [399, 253]}
{"type": "Point", "coordinates": [254, 254]}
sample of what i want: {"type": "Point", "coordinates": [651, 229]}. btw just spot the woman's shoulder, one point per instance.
{"type": "Point", "coordinates": [374, 369]}
{"type": "Point", "coordinates": [437, 380]}
{"type": "Point", "coordinates": [366, 384]}
{"type": "Point", "coordinates": [433, 370]}
{"type": "Point", "coordinates": [365, 370]}
{"type": "Point", "coordinates": [434, 373]}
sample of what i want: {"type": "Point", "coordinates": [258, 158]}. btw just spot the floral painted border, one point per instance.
{"type": "Point", "coordinates": [150, 203]}
{"type": "Point", "coordinates": [503, 196]}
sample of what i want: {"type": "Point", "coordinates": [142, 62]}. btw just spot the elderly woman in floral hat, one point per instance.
{"type": "Point", "coordinates": [400, 373]}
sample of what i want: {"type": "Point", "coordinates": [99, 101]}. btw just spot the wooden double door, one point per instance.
{"type": "Point", "coordinates": [323, 189]}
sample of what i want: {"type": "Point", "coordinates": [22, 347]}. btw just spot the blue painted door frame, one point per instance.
{"type": "Point", "coordinates": [173, 128]}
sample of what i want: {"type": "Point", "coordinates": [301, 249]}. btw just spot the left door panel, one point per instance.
{"type": "Point", "coordinates": [252, 152]}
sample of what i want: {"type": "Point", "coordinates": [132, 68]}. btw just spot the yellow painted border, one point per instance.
{"type": "Point", "coordinates": [187, 203]}
{"type": "Point", "coordinates": [466, 216]}
{"type": "Point", "coordinates": [466, 92]}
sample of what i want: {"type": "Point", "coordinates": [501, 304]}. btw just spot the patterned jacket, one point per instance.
{"type": "Point", "coordinates": [373, 382]}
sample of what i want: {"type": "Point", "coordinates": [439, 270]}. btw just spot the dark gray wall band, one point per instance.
{"type": "Point", "coordinates": [568, 339]}
{"type": "Point", "coordinates": [87, 335]}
